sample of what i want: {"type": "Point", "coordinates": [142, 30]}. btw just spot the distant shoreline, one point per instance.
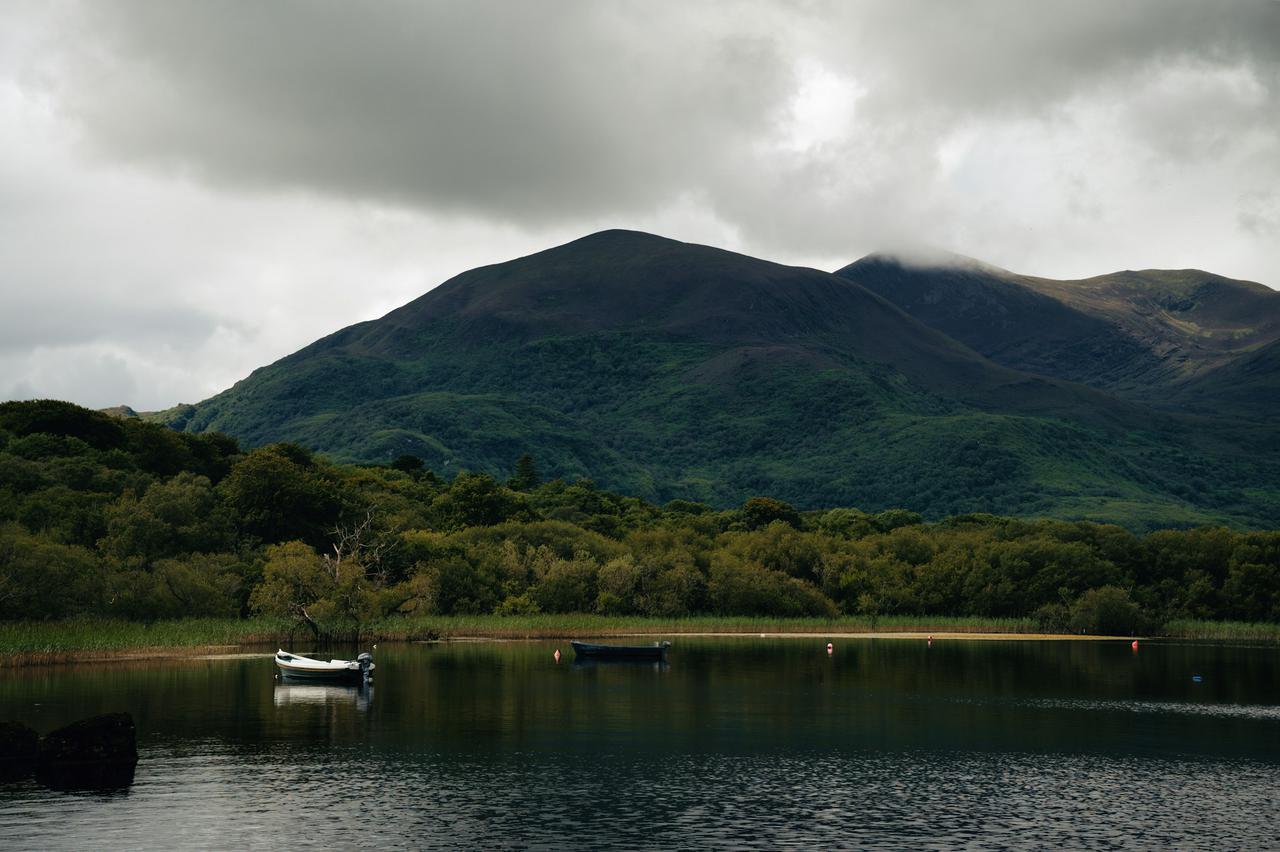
{"type": "Point", "coordinates": [225, 652]}
{"type": "Point", "coordinates": [45, 643]}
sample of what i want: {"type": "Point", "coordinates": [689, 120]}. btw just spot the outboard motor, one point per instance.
{"type": "Point", "coordinates": [366, 665]}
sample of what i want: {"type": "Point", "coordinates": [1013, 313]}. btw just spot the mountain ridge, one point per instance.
{"type": "Point", "coordinates": [672, 369]}
{"type": "Point", "coordinates": [1146, 335]}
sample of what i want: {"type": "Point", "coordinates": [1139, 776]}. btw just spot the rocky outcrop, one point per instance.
{"type": "Point", "coordinates": [18, 747]}
{"type": "Point", "coordinates": [95, 753]}
{"type": "Point", "coordinates": [110, 738]}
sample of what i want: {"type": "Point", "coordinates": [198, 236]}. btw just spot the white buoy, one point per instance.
{"type": "Point", "coordinates": [831, 649]}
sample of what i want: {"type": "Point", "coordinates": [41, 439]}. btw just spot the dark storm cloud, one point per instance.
{"type": "Point", "coordinates": [191, 189]}
{"type": "Point", "coordinates": [513, 109]}
{"type": "Point", "coordinates": [543, 112]}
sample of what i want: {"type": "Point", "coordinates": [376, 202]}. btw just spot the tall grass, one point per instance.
{"type": "Point", "coordinates": [47, 641]}
{"type": "Point", "coordinates": [545, 626]}
{"type": "Point", "coordinates": [1225, 631]}
{"type": "Point", "coordinates": [24, 642]}
{"type": "Point", "coordinates": [52, 640]}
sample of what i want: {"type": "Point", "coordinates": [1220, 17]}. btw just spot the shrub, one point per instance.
{"type": "Point", "coordinates": [1107, 610]}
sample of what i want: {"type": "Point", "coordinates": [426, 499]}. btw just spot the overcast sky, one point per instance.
{"type": "Point", "coordinates": [190, 190]}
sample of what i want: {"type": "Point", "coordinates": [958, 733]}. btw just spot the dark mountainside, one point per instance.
{"type": "Point", "coordinates": [1179, 339]}
{"type": "Point", "coordinates": [668, 370]}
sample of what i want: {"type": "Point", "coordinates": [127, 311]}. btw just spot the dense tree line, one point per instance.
{"type": "Point", "coordinates": [119, 517]}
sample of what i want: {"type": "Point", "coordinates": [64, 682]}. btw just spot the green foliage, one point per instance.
{"type": "Point", "coordinates": [408, 463]}
{"type": "Point", "coordinates": [1106, 610]}
{"type": "Point", "coordinates": [759, 512]}
{"type": "Point", "coordinates": [62, 419]}
{"type": "Point", "coordinates": [40, 578]}
{"type": "Point", "coordinates": [88, 531]}
{"type": "Point", "coordinates": [476, 500]}
{"type": "Point", "coordinates": [279, 493]}
{"type": "Point", "coordinates": [526, 477]}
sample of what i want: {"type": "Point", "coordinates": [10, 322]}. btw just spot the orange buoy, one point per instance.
{"type": "Point", "coordinates": [831, 649]}
{"type": "Point", "coordinates": [557, 655]}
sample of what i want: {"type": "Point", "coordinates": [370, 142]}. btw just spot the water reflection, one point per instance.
{"type": "Point", "coordinates": [621, 662]}
{"type": "Point", "coordinates": [359, 697]}
{"type": "Point", "coordinates": [107, 778]}
{"type": "Point", "coordinates": [735, 744]}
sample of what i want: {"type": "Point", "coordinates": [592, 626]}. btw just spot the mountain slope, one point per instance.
{"type": "Point", "coordinates": [1143, 335]}
{"type": "Point", "coordinates": [675, 370]}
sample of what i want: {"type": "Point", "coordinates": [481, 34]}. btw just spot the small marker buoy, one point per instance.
{"type": "Point", "coordinates": [557, 655]}
{"type": "Point", "coordinates": [831, 649]}
{"type": "Point", "coordinates": [1134, 646]}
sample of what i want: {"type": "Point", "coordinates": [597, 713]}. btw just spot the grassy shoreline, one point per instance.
{"type": "Point", "coordinates": [28, 643]}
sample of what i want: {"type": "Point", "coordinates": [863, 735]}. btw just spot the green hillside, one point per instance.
{"type": "Point", "coordinates": [670, 370]}
{"type": "Point", "coordinates": [1179, 339]}
{"type": "Point", "coordinates": [108, 519]}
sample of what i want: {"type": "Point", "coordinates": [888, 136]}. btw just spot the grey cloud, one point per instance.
{"type": "Point", "coordinates": [39, 316]}
{"type": "Point", "coordinates": [190, 189]}
{"type": "Point", "coordinates": [510, 109]}
{"type": "Point", "coordinates": [563, 111]}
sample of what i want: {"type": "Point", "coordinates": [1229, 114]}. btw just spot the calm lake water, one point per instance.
{"type": "Point", "coordinates": [736, 743]}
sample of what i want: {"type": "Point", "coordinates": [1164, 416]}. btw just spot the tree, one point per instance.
{"type": "Point", "coordinates": [1107, 610]}
{"type": "Point", "coordinates": [526, 477]}
{"type": "Point", "coordinates": [43, 579]}
{"type": "Point", "coordinates": [278, 494]}
{"type": "Point", "coordinates": [343, 586]}
{"type": "Point", "coordinates": [759, 512]}
{"type": "Point", "coordinates": [179, 516]}
{"type": "Point", "coordinates": [474, 499]}
{"type": "Point", "coordinates": [410, 464]}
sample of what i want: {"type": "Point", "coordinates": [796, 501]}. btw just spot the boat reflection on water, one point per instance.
{"type": "Point", "coordinates": [619, 663]}
{"type": "Point", "coordinates": [287, 694]}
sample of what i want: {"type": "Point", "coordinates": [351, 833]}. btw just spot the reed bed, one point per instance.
{"type": "Point", "coordinates": [546, 626]}
{"type": "Point", "coordinates": [1223, 631]}
{"type": "Point", "coordinates": [25, 642]}
{"type": "Point", "coordinates": [33, 642]}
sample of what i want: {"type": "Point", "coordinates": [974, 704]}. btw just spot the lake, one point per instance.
{"type": "Point", "coordinates": [736, 743]}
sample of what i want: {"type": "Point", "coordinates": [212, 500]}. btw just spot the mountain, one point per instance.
{"type": "Point", "coordinates": [1167, 337]}
{"type": "Point", "coordinates": [667, 370]}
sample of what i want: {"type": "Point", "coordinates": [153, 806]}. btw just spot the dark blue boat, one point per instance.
{"type": "Point", "coordinates": [656, 651]}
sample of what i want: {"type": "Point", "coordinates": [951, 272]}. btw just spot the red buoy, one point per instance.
{"type": "Point", "coordinates": [557, 655]}
{"type": "Point", "coordinates": [1134, 646]}
{"type": "Point", "coordinates": [831, 649]}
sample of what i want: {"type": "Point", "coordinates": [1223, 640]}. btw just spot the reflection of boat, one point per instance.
{"type": "Point", "coordinates": [320, 694]}
{"type": "Point", "coordinates": [620, 663]}
{"type": "Point", "coordinates": [656, 651]}
{"type": "Point", "coordinates": [297, 667]}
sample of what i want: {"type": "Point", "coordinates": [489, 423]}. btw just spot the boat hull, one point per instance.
{"type": "Point", "coordinates": [621, 652]}
{"type": "Point", "coordinates": [315, 676]}
{"type": "Point", "coordinates": [296, 667]}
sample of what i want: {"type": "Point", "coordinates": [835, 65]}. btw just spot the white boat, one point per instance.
{"type": "Point", "coordinates": [298, 667]}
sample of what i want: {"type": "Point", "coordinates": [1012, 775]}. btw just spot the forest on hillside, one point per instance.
{"type": "Point", "coordinates": [121, 518]}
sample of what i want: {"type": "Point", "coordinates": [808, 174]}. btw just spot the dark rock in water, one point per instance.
{"type": "Point", "coordinates": [98, 777]}
{"type": "Point", "coordinates": [18, 748]}
{"type": "Point", "coordinates": [110, 738]}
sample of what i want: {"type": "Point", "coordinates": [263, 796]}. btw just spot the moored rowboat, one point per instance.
{"type": "Point", "coordinates": [656, 651]}
{"type": "Point", "coordinates": [297, 667]}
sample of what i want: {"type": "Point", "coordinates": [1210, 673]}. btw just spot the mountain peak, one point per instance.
{"type": "Point", "coordinates": [924, 259]}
